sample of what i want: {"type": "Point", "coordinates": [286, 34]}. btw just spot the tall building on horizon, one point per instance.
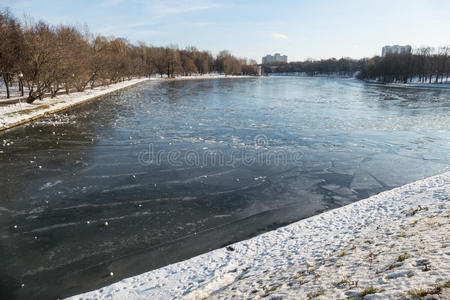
{"type": "Point", "coordinates": [395, 49]}
{"type": "Point", "coordinates": [276, 58]}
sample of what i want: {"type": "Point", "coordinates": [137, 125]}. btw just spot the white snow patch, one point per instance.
{"type": "Point", "coordinates": [50, 184]}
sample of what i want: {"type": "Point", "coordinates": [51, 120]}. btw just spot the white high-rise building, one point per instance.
{"type": "Point", "coordinates": [267, 59]}
{"type": "Point", "coordinates": [395, 49]}
{"type": "Point", "coordinates": [276, 58]}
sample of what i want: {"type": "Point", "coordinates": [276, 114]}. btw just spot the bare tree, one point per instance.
{"type": "Point", "coordinates": [39, 43]}
{"type": "Point", "coordinates": [187, 62]}
{"type": "Point", "coordinates": [11, 48]}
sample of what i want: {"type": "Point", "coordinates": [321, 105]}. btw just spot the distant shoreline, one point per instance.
{"type": "Point", "coordinates": [415, 85]}
{"type": "Point", "coordinates": [12, 115]}
{"type": "Point", "coordinates": [305, 75]}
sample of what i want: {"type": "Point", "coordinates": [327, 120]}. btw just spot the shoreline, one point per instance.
{"type": "Point", "coordinates": [394, 244]}
{"type": "Point", "coordinates": [12, 115]}
{"type": "Point", "coordinates": [415, 85]}
{"type": "Point", "coordinates": [333, 76]}
{"type": "Point", "coordinates": [21, 113]}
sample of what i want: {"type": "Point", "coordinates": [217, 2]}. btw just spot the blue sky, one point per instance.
{"type": "Point", "coordinates": [299, 29]}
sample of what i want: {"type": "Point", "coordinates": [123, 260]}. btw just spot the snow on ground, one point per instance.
{"type": "Point", "coordinates": [14, 92]}
{"type": "Point", "coordinates": [19, 113]}
{"type": "Point", "coordinates": [394, 244]}
{"type": "Point", "coordinates": [413, 84]}
{"type": "Point", "coordinates": [445, 85]}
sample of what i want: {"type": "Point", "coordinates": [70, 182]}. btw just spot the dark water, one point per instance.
{"type": "Point", "coordinates": [179, 168]}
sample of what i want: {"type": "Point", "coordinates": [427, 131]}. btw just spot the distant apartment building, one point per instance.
{"type": "Point", "coordinates": [395, 49]}
{"type": "Point", "coordinates": [276, 58]}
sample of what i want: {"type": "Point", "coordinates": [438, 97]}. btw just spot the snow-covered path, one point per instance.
{"type": "Point", "coordinates": [15, 114]}
{"type": "Point", "coordinates": [394, 244]}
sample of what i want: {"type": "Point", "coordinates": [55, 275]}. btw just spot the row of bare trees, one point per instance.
{"type": "Point", "coordinates": [51, 59]}
{"type": "Point", "coordinates": [424, 64]}
{"type": "Point", "coordinates": [332, 66]}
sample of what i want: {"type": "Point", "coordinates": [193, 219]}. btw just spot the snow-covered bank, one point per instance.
{"type": "Point", "coordinates": [394, 244]}
{"type": "Point", "coordinates": [420, 85]}
{"type": "Point", "coordinates": [15, 114]}
{"type": "Point", "coordinates": [307, 75]}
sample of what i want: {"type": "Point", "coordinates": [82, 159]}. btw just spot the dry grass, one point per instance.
{"type": "Point", "coordinates": [370, 290]}
{"type": "Point", "coordinates": [419, 293]}
{"type": "Point", "coordinates": [316, 294]}
{"type": "Point", "coordinates": [342, 254]}
{"type": "Point", "coordinates": [403, 257]}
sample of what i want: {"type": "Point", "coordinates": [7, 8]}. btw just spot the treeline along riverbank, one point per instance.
{"type": "Point", "coordinates": [44, 59]}
{"type": "Point", "coordinates": [425, 64]}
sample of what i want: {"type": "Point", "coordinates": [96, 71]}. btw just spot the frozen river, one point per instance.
{"type": "Point", "coordinates": [179, 168]}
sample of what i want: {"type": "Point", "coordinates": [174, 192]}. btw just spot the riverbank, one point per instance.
{"type": "Point", "coordinates": [417, 85]}
{"type": "Point", "coordinates": [394, 244]}
{"type": "Point", "coordinates": [12, 115]}
{"type": "Point", "coordinates": [306, 75]}
{"type": "Point", "coordinates": [15, 114]}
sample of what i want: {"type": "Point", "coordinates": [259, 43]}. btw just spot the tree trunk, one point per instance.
{"type": "Point", "coordinates": [21, 87]}
{"type": "Point", "coordinates": [31, 96]}
{"type": "Point", "coordinates": [7, 86]}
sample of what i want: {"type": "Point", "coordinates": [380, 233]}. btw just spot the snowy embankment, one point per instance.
{"type": "Point", "coordinates": [413, 84]}
{"type": "Point", "coordinates": [394, 244]}
{"type": "Point", "coordinates": [15, 114]}
{"type": "Point", "coordinates": [308, 75]}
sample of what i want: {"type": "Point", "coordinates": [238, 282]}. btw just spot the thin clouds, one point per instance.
{"type": "Point", "coordinates": [278, 36]}
{"type": "Point", "coordinates": [147, 21]}
{"type": "Point", "coordinates": [163, 8]}
{"type": "Point", "coordinates": [110, 3]}
{"type": "Point", "coordinates": [124, 25]}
